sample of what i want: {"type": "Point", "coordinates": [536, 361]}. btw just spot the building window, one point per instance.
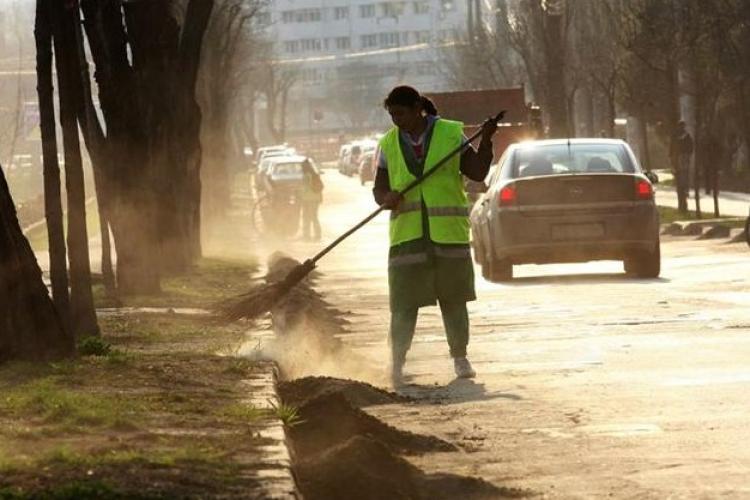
{"type": "Point", "coordinates": [367, 10]}
{"type": "Point", "coordinates": [343, 43]}
{"type": "Point", "coordinates": [390, 39]}
{"type": "Point", "coordinates": [341, 13]}
{"type": "Point", "coordinates": [291, 47]}
{"type": "Point", "coordinates": [310, 45]}
{"type": "Point", "coordinates": [301, 16]}
{"type": "Point", "coordinates": [422, 36]}
{"type": "Point", "coordinates": [312, 76]}
{"type": "Point", "coordinates": [392, 9]}
{"type": "Point", "coordinates": [421, 7]}
{"type": "Point", "coordinates": [368, 41]}
{"type": "Point", "coordinates": [308, 15]}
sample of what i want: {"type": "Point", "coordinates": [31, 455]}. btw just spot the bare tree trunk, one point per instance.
{"type": "Point", "coordinates": [51, 167]}
{"type": "Point", "coordinates": [128, 180]}
{"type": "Point", "coordinates": [83, 315]}
{"type": "Point", "coordinates": [30, 328]}
{"type": "Point", "coordinates": [94, 138]}
{"type": "Point", "coordinates": [644, 141]}
{"type": "Point", "coordinates": [555, 78]}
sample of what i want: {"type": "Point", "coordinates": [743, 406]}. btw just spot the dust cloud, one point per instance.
{"type": "Point", "coordinates": [307, 332]}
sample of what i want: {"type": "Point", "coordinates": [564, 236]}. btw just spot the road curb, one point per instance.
{"type": "Point", "coordinates": [274, 470]}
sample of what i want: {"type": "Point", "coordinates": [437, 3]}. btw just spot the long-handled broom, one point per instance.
{"type": "Point", "coordinates": [263, 298]}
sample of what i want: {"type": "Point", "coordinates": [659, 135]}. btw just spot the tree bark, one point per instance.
{"type": "Point", "coordinates": [555, 77]}
{"type": "Point", "coordinates": [30, 328]}
{"type": "Point", "coordinates": [83, 315]}
{"type": "Point", "coordinates": [94, 139]}
{"type": "Point", "coordinates": [131, 200]}
{"type": "Point", "coordinates": [51, 168]}
{"type": "Point", "coordinates": [644, 141]}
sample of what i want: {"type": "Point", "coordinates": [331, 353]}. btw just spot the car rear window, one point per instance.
{"type": "Point", "coordinates": [556, 159]}
{"type": "Point", "coordinates": [288, 170]}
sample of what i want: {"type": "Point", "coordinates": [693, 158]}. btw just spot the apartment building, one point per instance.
{"type": "Point", "coordinates": [347, 54]}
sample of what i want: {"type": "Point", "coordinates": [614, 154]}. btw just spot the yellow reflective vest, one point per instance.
{"type": "Point", "coordinates": [443, 193]}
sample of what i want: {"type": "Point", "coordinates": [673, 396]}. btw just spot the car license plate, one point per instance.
{"type": "Point", "coordinates": [577, 231]}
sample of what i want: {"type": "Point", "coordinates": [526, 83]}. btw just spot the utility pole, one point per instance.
{"type": "Point", "coordinates": [554, 11]}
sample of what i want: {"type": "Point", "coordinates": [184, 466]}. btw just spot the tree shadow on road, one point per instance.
{"type": "Point", "coordinates": [457, 391]}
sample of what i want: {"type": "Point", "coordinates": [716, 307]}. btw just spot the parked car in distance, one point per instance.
{"type": "Point", "coordinates": [266, 160]}
{"type": "Point", "coordinates": [265, 151]}
{"type": "Point", "coordinates": [367, 167]}
{"type": "Point", "coordinates": [278, 210]}
{"type": "Point", "coordinates": [351, 154]}
{"type": "Point", "coordinates": [573, 200]}
{"type": "Point", "coordinates": [284, 173]}
{"type": "Point", "coordinates": [343, 159]}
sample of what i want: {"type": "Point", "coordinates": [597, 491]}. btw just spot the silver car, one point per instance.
{"type": "Point", "coordinates": [563, 200]}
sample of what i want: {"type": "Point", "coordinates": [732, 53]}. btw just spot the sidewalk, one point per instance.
{"type": "Point", "coordinates": [731, 204]}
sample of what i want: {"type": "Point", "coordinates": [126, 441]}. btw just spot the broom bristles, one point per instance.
{"type": "Point", "coordinates": [262, 299]}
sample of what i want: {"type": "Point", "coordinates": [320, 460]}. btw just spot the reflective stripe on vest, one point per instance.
{"type": "Point", "coordinates": [407, 259]}
{"type": "Point", "coordinates": [443, 193]}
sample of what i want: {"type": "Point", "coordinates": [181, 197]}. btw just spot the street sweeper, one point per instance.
{"type": "Point", "coordinates": [429, 260]}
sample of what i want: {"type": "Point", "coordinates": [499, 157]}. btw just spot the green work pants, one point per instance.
{"type": "Point", "coordinates": [455, 321]}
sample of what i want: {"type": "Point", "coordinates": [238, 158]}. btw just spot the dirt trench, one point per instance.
{"type": "Point", "coordinates": [339, 450]}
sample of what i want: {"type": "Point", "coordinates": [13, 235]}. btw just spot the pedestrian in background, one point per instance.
{"type": "Point", "coordinates": [680, 153]}
{"type": "Point", "coordinates": [311, 198]}
{"type": "Point", "coordinates": [429, 260]}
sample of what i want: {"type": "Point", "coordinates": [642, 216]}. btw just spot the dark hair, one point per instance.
{"type": "Point", "coordinates": [404, 95]}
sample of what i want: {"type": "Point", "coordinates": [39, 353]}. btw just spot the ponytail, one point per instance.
{"type": "Point", "coordinates": [404, 95]}
{"type": "Point", "coordinates": [428, 106]}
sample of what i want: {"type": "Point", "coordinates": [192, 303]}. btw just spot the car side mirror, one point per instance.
{"type": "Point", "coordinates": [651, 175]}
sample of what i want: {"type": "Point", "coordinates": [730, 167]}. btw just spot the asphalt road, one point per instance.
{"type": "Point", "coordinates": [589, 384]}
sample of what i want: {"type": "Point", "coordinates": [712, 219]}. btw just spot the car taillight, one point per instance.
{"type": "Point", "coordinates": [644, 190]}
{"type": "Point", "coordinates": [507, 196]}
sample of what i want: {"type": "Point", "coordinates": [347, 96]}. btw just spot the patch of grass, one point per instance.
{"type": "Point", "coordinates": [239, 366]}
{"type": "Point", "coordinates": [208, 282]}
{"type": "Point", "coordinates": [288, 414]}
{"type": "Point", "coordinates": [244, 412]}
{"type": "Point", "coordinates": [667, 215]}
{"type": "Point", "coordinates": [94, 346]}
{"type": "Point", "coordinates": [152, 328]}
{"type": "Point", "coordinates": [65, 408]}
{"type": "Point", "coordinates": [189, 450]}
{"type": "Point", "coordinates": [74, 490]}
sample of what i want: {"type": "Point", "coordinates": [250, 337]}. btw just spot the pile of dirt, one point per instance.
{"type": "Point", "coordinates": [303, 308]}
{"type": "Point", "coordinates": [341, 452]}
{"type": "Point", "coordinates": [364, 468]}
{"type": "Point", "coordinates": [302, 391]}
{"type": "Point", "coordinates": [329, 420]}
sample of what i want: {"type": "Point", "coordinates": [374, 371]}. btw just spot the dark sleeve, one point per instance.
{"type": "Point", "coordinates": [381, 186]}
{"type": "Point", "coordinates": [475, 164]}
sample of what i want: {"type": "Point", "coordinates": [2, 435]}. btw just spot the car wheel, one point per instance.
{"type": "Point", "coordinates": [497, 271]}
{"type": "Point", "coordinates": [644, 264]}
